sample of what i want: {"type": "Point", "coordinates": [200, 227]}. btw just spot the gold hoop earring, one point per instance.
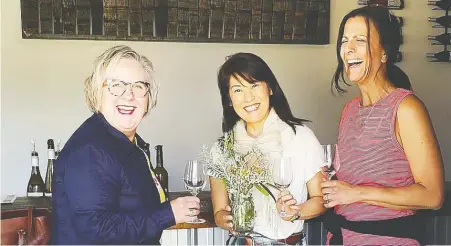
{"type": "Point", "coordinates": [384, 58]}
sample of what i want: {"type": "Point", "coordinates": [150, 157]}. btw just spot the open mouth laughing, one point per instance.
{"type": "Point", "coordinates": [125, 109]}
{"type": "Point", "coordinates": [352, 63]}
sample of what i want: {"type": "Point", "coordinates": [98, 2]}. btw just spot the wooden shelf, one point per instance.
{"type": "Point", "coordinates": [204, 21]}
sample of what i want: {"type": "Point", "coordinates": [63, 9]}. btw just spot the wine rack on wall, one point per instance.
{"type": "Point", "coordinates": [223, 21]}
{"type": "Point", "coordinates": [443, 38]}
{"type": "Point", "coordinates": [391, 5]}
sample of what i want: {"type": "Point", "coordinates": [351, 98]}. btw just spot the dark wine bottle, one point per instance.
{"type": "Point", "coordinates": [442, 56]}
{"type": "Point", "coordinates": [35, 187]}
{"type": "Point", "coordinates": [444, 38]}
{"type": "Point", "coordinates": [444, 21]}
{"type": "Point", "coordinates": [160, 172]}
{"type": "Point", "coordinates": [49, 174]}
{"type": "Point", "coordinates": [391, 4]}
{"type": "Point", "coordinates": [442, 4]}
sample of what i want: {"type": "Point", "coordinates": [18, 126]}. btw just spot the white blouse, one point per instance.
{"type": "Point", "coordinates": [304, 150]}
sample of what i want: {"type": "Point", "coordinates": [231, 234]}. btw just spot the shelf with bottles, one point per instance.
{"type": "Point", "coordinates": [390, 4]}
{"type": "Point", "coordinates": [442, 38]}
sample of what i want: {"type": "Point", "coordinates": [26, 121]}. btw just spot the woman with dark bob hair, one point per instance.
{"type": "Point", "coordinates": [388, 159]}
{"type": "Point", "coordinates": [257, 112]}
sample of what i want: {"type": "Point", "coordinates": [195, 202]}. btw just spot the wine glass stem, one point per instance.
{"type": "Point", "coordinates": [282, 210]}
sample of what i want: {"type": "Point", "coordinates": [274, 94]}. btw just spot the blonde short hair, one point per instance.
{"type": "Point", "coordinates": [94, 83]}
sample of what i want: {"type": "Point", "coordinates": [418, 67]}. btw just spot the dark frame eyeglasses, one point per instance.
{"type": "Point", "coordinates": [118, 87]}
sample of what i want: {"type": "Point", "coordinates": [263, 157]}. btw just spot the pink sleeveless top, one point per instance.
{"type": "Point", "coordinates": [369, 154]}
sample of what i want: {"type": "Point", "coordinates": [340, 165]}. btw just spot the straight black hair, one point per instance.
{"type": "Point", "coordinates": [253, 69]}
{"type": "Point", "coordinates": [390, 34]}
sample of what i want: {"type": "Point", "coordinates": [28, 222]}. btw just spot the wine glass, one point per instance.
{"type": "Point", "coordinates": [282, 174]}
{"type": "Point", "coordinates": [194, 179]}
{"type": "Point", "coordinates": [327, 155]}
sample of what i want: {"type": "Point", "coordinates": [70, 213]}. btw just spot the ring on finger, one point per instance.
{"type": "Point", "coordinates": [191, 212]}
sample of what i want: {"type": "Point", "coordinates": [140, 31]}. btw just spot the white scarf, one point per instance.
{"type": "Point", "coordinates": [267, 221]}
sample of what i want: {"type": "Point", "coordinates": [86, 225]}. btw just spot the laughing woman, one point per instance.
{"type": "Point", "coordinates": [104, 189]}
{"type": "Point", "coordinates": [389, 162]}
{"type": "Point", "coordinates": [256, 110]}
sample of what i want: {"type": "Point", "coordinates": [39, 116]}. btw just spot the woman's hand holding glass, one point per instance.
{"type": "Point", "coordinates": [282, 174]}
{"type": "Point", "coordinates": [194, 179]}
{"type": "Point", "coordinates": [337, 192]}
{"type": "Point", "coordinates": [185, 209]}
{"type": "Point", "coordinates": [287, 202]}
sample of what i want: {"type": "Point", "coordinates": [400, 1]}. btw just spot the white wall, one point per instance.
{"type": "Point", "coordinates": [42, 89]}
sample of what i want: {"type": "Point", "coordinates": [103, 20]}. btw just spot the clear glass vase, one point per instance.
{"type": "Point", "coordinates": [243, 212]}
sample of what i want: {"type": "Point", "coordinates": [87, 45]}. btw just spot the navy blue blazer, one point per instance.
{"type": "Point", "coordinates": [103, 191]}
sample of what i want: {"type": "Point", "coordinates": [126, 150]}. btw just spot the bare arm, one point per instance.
{"type": "Point", "coordinates": [220, 202]}
{"type": "Point", "coordinates": [314, 206]}
{"type": "Point", "coordinates": [416, 135]}
{"type": "Point", "coordinates": [395, 207]}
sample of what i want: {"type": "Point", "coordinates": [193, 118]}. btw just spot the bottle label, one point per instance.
{"type": "Point", "coordinates": [35, 194]}
{"type": "Point", "coordinates": [51, 154]}
{"type": "Point", "coordinates": [34, 161]}
{"type": "Point", "coordinates": [48, 194]}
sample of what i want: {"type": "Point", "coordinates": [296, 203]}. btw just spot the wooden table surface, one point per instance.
{"type": "Point", "coordinates": [206, 208]}
{"type": "Point", "coordinates": [206, 211]}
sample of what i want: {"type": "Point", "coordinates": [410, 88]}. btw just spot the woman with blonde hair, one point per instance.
{"type": "Point", "coordinates": [104, 189]}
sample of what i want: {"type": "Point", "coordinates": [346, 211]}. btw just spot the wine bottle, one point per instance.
{"type": "Point", "coordinates": [35, 187]}
{"type": "Point", "coordinates": [444, 38]}
{"type": "Point", "coordinates": [442, 4]}
{"type": "Point", "coordinates": [391, 4]}
{"type": "Point", "coordinates": [444, 21]}
{"type": "Point", "coordinates": [160, 172]}
{"type": "Point", "coordinates": [49, 174]}
{"type": "Point", "coordinates": [442, 56]}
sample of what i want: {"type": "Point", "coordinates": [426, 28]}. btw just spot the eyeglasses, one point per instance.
{"type": "Point", "coordinates": [118, 87]}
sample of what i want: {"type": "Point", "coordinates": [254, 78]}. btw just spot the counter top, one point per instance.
{"type": "Point", "coordinates": [206, 211]}
{"type": "Point", "coordinates": [206, 207]}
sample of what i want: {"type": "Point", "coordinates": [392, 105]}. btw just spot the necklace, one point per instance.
{"type": "Point", "coordinates": [372, 108]}
{"type": "Point", "coordinates": [362, 124]}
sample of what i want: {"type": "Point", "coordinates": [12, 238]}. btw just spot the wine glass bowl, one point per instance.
{"type": "Point", "coordinates": [327, 154]}
{"type": "Point", "coordinates": [194, 179]}
{"type": "Point", "coordinates": [282, 174]}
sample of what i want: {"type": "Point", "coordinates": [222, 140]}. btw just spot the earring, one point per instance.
{"type": "Point", "coordinates": [384, 58]}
